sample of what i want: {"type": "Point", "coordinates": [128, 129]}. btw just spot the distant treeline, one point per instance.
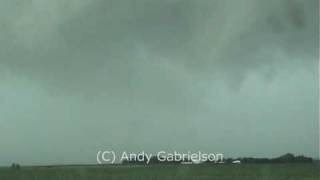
{"type": "Point", "coordinates": [287, 158]}
{"type": "Point", "coordinates": [153, 160]}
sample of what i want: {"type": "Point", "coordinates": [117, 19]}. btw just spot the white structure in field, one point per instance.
{"type": "Point", "coordinates": [236, 162]}
{"type": "Point", "coordinates": [186, 162]}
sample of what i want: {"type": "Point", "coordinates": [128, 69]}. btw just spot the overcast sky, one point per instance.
{"type": "Point", "coordinates": [239, 77]}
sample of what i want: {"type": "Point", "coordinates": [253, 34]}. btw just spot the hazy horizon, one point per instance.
{"type": "Point", "coordinates": [233, 77]}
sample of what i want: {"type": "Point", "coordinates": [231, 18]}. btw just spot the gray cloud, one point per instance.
{"type": "Point", "coordinates": [212, 37]}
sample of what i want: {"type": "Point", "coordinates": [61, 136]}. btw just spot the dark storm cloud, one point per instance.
{"type": "Point", "coordinates": [207, 37]}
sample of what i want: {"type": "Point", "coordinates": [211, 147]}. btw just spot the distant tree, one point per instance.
{"type": "Point", "coordinates": [154, 160]}
{"type": "Point", "coordinates": [287, 158]}
{"type": "Point", "coordinates": [15, 166]}
{"type": "Point", "coordinates": [303, 159]}
{"type": "Point", "coordinates": [229, 160]}
{"type": "Point", "coordinates": [134, 161]}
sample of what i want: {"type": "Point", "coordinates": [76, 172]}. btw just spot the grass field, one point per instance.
{"type": "Point", "coordinates": [167, 172]}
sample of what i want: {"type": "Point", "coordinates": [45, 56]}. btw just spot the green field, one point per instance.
{"type": "Point", "coordinates": [167, 172]}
